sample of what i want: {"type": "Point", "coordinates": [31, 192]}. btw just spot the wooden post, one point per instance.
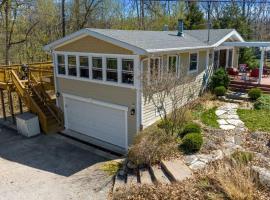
{"type": "Point", "coordinates": [11, 106]}
{"type": "Point", "coordinates": [3, 105]}
{"type": "Point", "coordinates": [20, 104]}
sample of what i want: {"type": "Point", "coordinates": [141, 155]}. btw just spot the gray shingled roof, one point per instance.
{"type": "Point", "coordinates": [156, 40]}
{"type": "Point", "coordinates": [152, 41]}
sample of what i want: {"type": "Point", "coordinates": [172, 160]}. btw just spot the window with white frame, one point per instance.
{"type": "Point", "coordinates": [84, 66]}
{"type": "Point", "coordinates": [154, 68]}
{"type": "Point", "coordinates": [97, 68]}
{"type": "Point", "coordinates": [172, 64]}
{"type": "Point", "coordinates": [193, 62]}
{"type": "Point", "coordinates": [127, 71]}
{"type": "Point", "coordinates": [72, 71]}
{"type": "Point", "coordinates": [111, 70]}
{"type": "Point", "coordinates": [61, 64]}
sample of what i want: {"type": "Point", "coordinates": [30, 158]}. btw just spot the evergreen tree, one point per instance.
{"type": "Point", "coordinates": [194, 17]}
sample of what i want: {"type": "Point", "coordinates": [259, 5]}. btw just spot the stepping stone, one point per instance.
{"type": "Point", "coordinates": [227, 127]}
{"type": "Point", "coordinates": [190, 159]}
{"type": "Point", "coordinates": [177, 170]}
{"type": "Point", "coordinates": [235, 122]}
{"type": "Point", "coordinates": [118, 183]}
{"type": "Point", "coordinates": [222, 122]}
{"type": "Point", "coordinates": [159, 175]}
{"type": "Point", "coordinates": [131, 179]}
{"type": "Point", "coordinates": [145, 177]}
{"type": "Point", "coordinates": [220, 112]}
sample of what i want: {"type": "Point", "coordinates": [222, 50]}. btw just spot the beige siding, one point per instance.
{"type": "Point", "coordinates": [92, 45]}
{"type": "Point", "coordinates": [109, 94]}
{"type": "Point", "coordinates": [235, 56]}
{"type": "Point", "coordinates": [193, 86]}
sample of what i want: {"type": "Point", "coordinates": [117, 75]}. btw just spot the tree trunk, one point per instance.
{"type": "Point", "coordinates": [7, 10]}
{"type": "Point", "coordinates": [63, 19]}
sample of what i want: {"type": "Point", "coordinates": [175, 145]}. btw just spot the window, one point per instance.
{"type": "Point", "coordinates": [216, 59]}
{"type": "Point", "coordinates": [154, 68]}
{"type": "Point", "coordinates": [72, 66]}
{"type": "Point", "coordinates": [193, 62]}
{"type": "Point", "coordinates": [97, 68]}
{"type": "Point", "coordinates": [84, 67]}
{"type": "Point", "coordinates": [61, 64]}
{"type": "Point", "coordinates": [112, 69]}
{"type": "Point", "coordinates": [127, 71]}
{"type": "Point", "coordinates": [172, 64]}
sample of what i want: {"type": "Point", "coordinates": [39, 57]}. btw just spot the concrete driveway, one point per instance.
{"type": "Point", "coordinates": [49, 167]}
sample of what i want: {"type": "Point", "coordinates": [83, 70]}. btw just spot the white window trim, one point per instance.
{"type": "Point", "coordinates": [121, 70]}
{"type": "Point", "coordinates": [79, 66]}
{"type": "Point", "coordinates": [104, 81]}
{"type": "Point", "coordinates": [113, 70]}
{"type": "Point", "coordinates": [197, 66]}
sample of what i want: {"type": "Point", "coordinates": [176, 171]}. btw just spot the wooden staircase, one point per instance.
{"type": "Point", "coordinates": [38, 101]}
{"type": "Point", "coordinates": [241, 86]}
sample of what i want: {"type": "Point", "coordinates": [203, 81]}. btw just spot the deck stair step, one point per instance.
{"type": "Point", "coordinates": [118, 183]}
{"type": "Point", "coordinates": [145, 177]}
{"type": "Point", "coordinates": [176, 169]}
{"type": "Point", "coordinates": [159, 175]}
{"type": "Point", "coordinates": [132, 179]}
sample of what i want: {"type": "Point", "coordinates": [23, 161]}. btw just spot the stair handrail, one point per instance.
{"type": "Point", "coordinates": [18, 84]}
{"type": "Point", "coordinates": [46, 99]}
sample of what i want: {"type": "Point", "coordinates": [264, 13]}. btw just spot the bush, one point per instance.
{"type": "Point", "coordinates": [262, 102]}
{"type": "Point", "coordinates": [220, 91]}
{"type": "Point", "coordinates": [220, 78]}
{"type": "Point", "coordinates": [152, 145]}
{"type": "Point", "coordinates": [192, 142]}
{"type": "Point", "coordinates": [165, 124]}
{"type": "Point", "coordinates": [254, 93]}
{"type": "Point", "coordinates": [190, 128]}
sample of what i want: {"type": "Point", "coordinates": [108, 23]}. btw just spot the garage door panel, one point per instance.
{"type": "Point", "coordinates": [104, 123]}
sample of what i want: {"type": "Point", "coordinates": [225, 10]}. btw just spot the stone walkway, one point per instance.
{"type": "Point", "coordinates": [228, 118]}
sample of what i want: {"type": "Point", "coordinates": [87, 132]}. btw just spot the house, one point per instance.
{"type": "Point", "coordinates": [97, 76]}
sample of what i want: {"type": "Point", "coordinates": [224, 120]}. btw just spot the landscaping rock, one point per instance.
{"type": "Point", "coordinates": [197, 165]}
{"type": "Point", "coordinates": [222, 122]}
{"type": "Point", "coordinates": [217, 155]}
{"type": "Point", "coordinates": [235, 122]}
{"type": "Point", "coordinates": [220, 112]}
{"type": "Point", "coordinates": [177, 170]}
{"type": "Point", "coordinates": [131, 165]}
{"type": "Point", "coordinates": [263, 174]}
{"type": "Point", "coordinates": [190, 159]}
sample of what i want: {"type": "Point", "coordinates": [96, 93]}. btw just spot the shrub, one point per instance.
{"type": "Point", "coordinates": [263, 102]}
{"type": "Point", "coordinates": [220, 78]}
{"type": "Point", "coordinates": [220, 91]}
{"type": "Point", "coordinates": [190, 128]}
{"type": "Point", "coordinates": [254, 93]}
{"type": "Point", "coordinates": [242, 157]}
{"type": "Point", "coordinates": [165, 124]}
{"type": "Point", "coordinates": [192, 142]}
{"type": "Point", "coordinates": [151, 145]}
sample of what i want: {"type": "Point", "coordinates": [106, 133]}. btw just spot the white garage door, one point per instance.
{"type": "Point", "coordinates": [97, 119]}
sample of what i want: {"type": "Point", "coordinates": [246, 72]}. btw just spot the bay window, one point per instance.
{"type": "Point", "coordinates": [61, 64]}
{"type": "Point", "coordinates": [97, 68]}
{"type": "Point", "coordinates": [111, 70]}
{"type": "Point", "coordinates": [84, 66]}
{"type": "Point", "coordinates": [127, 71]}
{"type": "Point", "coordinates": [72, 71]}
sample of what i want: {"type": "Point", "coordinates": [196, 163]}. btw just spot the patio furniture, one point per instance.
{"type": "Point", "coordinates": [232, 71]}
{"type": "Point", "coordinates": [243, 68]}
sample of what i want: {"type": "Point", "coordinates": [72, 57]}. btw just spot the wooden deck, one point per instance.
{"type": "Point", "coordinates": [237, 84]}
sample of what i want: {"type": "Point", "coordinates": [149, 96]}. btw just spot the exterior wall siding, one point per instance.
{"type": "Point", "coordinates": [193, 84]}
{"type": "Point", "coordinates": [109, 94]}
{"type": "Point", "coordinates": [90, 44]}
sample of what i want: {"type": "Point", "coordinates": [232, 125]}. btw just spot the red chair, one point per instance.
{"type": "Point", "coordinates": [255, 73]}
{"type": "Point", "coordinates": [232, 71]}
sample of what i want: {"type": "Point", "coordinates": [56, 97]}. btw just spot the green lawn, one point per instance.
{"type": "Point", "coordinates": [255, 120]}
{"type": "Point", "coordinates": [208, 117]}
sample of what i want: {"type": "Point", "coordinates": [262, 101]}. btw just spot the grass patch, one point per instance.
{"type": "Point", "coordinates": [255, 120]}
{"type": "Point", "coordinates": [111, 167]}
{"type": "Point", "coordinates": [210, 118]}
